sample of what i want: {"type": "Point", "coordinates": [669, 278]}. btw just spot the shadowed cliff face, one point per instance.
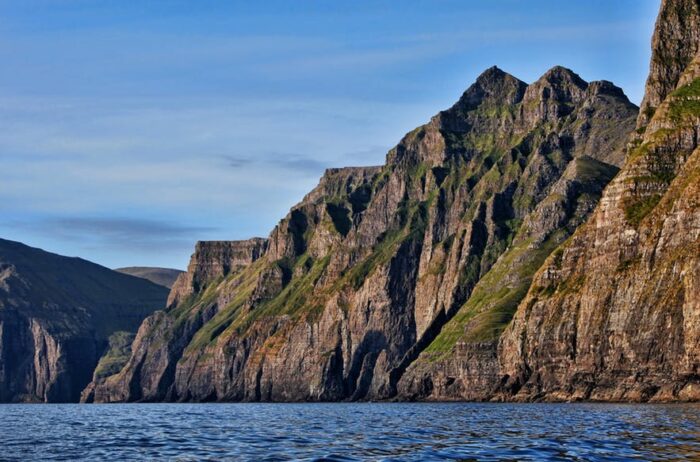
{"type": "Point", "coordinates": [614, 313]}
{"type": "Point", "coordinates": [362, 275]}
{"type": "Point", "coordinates": [617, 316]}
{"type": "Point", "coordinates": [56, 314]}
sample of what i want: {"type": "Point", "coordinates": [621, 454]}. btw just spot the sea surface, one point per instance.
{"type": "Point", "coordinates": [346, 432]}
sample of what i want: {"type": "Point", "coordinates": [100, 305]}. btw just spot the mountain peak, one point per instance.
{"type": "Point", "coordinates": [562, 76]}
{"type": "Point", "coordinates": [495, 78]}
{"type": "Point", "coordinates": [605, 87]}
{"type": "Point", "coordinates": [495, 84]}
{"type": "Point", "coordinates": [491, 74]}
{"type": "Point", "coordinates": [557, 86]}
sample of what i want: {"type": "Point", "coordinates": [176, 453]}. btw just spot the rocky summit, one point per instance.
{"type": "Point", "coordinates": [57, 317]}
{"type": "Point", "coordinates": [362, 275]}
{"type": "Point", "coordinates": [532, 242]}
{"type": "Point", "coordinates": [614, 313]}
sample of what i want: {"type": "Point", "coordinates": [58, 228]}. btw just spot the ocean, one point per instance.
{"type": "Point", "coordinates": [350, 431]}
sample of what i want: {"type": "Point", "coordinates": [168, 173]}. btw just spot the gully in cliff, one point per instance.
{"type": "Point", "coordinates": [536, 241]}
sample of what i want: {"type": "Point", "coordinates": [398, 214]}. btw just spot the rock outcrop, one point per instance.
{"type": "Point", "coordinates": [614, 313]}
{"type": "Point", "coordinates": [480, 262]}
{"type": "Point", "coordinates": [617, 315]}
{"type": "Point", "coordinates": [56, 315]}
{"type": "Point", "coordinates": [211, 261]}
{"type": "Point", "coordinates": [363, 274]}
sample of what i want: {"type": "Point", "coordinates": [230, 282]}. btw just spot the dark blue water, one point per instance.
{"type": "Point", "coordinates": [350, 432]}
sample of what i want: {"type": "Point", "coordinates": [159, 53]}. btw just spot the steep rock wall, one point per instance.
{"type": "Point", "coordinates": [56, 315]}
{"type": "Point", "coordinates": [364, 273]}
{"type": "Point", "coordinates": [613, 313]}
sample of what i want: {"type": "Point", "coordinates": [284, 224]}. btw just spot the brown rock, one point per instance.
{"type": "Point", "coordinates": [56, 315]}
{"type": "Point", "coordinates": [362, 274]}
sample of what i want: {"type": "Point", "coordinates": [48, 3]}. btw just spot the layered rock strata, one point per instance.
{"type": "Point", "coordinates": [614, 313]}
{"type": "Point", "coordinates": [361, 276]}
{"type": "Point", "coordinates": [56, 316]}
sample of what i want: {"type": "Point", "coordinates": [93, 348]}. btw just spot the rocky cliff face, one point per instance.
{"type": "Point", "coordinates": [56, 314]}
{"type": "Point", "coordinates": [363, 274]}
{"type": "Point", "coordinates": [674, 45]}
{"type": "Point", "coordinates": [211, 261]}
{"type": "Point", "coordinates": [614, 313]}
{"type": "Point", "coordinates": [617, 316]}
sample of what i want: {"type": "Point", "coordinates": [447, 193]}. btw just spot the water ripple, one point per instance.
{"type": "Point", "coordinates": [350, 432]}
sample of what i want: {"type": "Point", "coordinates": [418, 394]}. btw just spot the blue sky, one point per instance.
{"type": "Point", "coordinates": [130, 130]}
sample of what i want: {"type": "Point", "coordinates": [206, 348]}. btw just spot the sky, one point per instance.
{"type": "Point", "coordinates": [131, 129]}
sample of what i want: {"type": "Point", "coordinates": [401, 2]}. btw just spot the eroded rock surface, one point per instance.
{"type": "Point", "coordinates": [617, 316]}
{"type": "Point", "coordinates": [486, 260]}
{"type": "Point", "coordinates": [56, 315]}
{"type": "Point", "coordinates": [360, 277]}
{"type": "Point", "coordinates": [614, 313]}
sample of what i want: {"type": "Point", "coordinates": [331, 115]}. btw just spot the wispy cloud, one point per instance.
{"type": "Point", "coordinates": [134, 122]}
{"type": "Point", "coordinates": [216, 166]}
{"type": "Point", "coordinates": [75, 157]}
{"type": "Point", "coordinates": [237, 161]}
{"type": "Point", "coordinates": [122, 234]}
{"type": "Point", "coordinates": [294, 163]}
